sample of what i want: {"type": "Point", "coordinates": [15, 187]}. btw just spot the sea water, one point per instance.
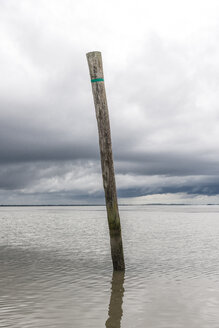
{"type": "Point", "coordinates": [56, 270]}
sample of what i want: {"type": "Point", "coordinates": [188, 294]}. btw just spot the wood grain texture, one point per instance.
{"type": "Point", "coordinates": [109, 184]}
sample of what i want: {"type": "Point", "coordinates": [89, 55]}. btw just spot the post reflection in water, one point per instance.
{"type": "Point", "coordinates": [116, 300]}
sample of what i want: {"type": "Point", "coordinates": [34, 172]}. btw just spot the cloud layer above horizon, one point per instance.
{"type": "Point", "coordinates": [161, 64]}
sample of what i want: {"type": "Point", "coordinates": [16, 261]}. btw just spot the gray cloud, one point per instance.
{"type": "Point", "coordinates": [162, 92]}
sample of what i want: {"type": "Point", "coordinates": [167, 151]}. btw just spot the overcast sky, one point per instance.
{"type": "Point", "coordinates": [161, 65]}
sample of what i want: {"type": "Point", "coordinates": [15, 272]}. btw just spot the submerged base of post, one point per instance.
{"type": "Point", "coordinates": [115, 236]}
{"type": "Point", "coordinates": [117, 251]}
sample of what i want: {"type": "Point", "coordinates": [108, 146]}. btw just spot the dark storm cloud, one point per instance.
{"type": "Point", "coordinates": [205, 186]}
{"type": "Point", "coordinates": [27, 144]}
{"type": "Point", "coordinates": [165, 163]}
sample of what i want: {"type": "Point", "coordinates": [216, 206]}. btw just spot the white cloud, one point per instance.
{"type": "Point", "coordinates": [177, 198]}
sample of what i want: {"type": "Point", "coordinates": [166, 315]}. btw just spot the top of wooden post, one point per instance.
{"type": "Point", "coordinates": [95, 64]}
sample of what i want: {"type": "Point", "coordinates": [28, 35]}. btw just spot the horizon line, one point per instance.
{"type": "Point", "coordinates": [143, 204]}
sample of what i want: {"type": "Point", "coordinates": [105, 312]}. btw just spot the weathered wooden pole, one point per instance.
{"type": "Point", "coordinates": [99, 94]}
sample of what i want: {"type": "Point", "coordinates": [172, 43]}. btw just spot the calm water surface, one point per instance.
{"type": "Point", "coordinates": [55, 268]}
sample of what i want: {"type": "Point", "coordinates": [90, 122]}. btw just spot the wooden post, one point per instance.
{"type": "Point", "coordinates": [99, 94]}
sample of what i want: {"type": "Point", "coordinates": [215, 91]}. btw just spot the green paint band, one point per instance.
{"type": "Point", "coordinates": [97, 80]}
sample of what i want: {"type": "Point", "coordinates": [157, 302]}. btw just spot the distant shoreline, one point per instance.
{"type": "Point", "coordinates": [75, 205]}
